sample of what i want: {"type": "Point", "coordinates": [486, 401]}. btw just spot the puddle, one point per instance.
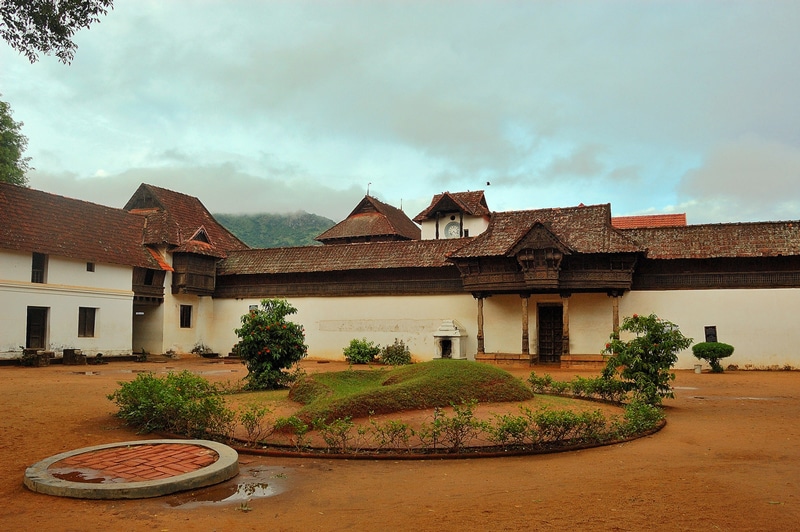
{"type": "Point", "coordinates": [75, 475]}
{"type": "Point", "coordinates": [251, 483]}
{"type": "Point", "coordinates": [725, 398]}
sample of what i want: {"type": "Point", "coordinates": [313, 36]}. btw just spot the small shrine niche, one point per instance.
{"type": "Point", "coordinates": [450, 341]}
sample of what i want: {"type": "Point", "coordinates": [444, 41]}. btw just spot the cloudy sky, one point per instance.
{"type": "Point", "coordinates": [268, 106]}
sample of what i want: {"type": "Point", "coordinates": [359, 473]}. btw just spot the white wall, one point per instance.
{"type": "Point", "coordinates": [69, 286]}
{"type": "Point", "coordinates": [474, 224]}
{"type": "Point", "coordinates": [330, 323]}
{"type": "Point", "coordinates": [761, 325]}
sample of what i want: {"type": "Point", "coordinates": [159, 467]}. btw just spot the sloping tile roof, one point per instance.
{"type": "Point", "coordinates": [649, 220]}
{"type": "Point", "coordinates": [373, 218]}
{"type": "Point", "coordinates": [36, 221]}
{"type": "Point", "coordinates": [173, 218]}
{"type": "Point", "coordinates": [472, 203]}
{"type": "Point", "coordinates": [360, 256]}
{"type": "Point", "coordinates": [582, 229]}
{"type": "Point", "coordinates": [758, 239]}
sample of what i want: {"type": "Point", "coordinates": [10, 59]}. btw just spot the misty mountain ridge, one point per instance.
{"type": "Point", "coordinates": [267, 230]}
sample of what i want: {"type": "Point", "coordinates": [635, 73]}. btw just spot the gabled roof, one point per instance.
{"type": "Point", "coordinates": [649, 220]}
{"type": "Point", "coordinates": [36, 221]}
{"type": "Point", "coordinates": [471, 203]}
{"type": "Point", "coordinates": [360, 256]}
{"type": "Point", "coordinates": [736, 240]}
{"type": "Point", "coordinates": [372, 219]}
{"type": "Point", "coordinates": [177, 219]}
{"type": "Point", "coordinates": [582, 229]}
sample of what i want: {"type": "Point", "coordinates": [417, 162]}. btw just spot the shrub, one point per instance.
{"type": "Point", "coordinates": [182, 403]}
{"type": "Point", "coordinates": [639, 417]}
{"type": "Point", "coordinates": [337, 434]}
{"type": "Point", "coordinates": [392, 434]}
{"type": "Point", "coordinates": [396, 354]}
{"type": "Point", "coordinates": [297, 428]}
{"type": "Point", "coordinates": [253, 419]}
{"type": "Point", "coordinates": [456, 430]}
{"type": "Point", "coordinates": [509, 430]}
{"type": "Point", "coordinates": [361, 351]}
{"type": "Point", "coordinates": [712, 352]}
{"type": "Point", "coordinates": [643, 362]}
{"type": "Point", "coordinates": [269, 344]}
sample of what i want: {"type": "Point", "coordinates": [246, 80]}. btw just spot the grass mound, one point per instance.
{"type": "Point", "coordinates": [356, 394]}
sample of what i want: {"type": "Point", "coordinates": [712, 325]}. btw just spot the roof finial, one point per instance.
{"type": "Point", "coordinates": [368, 184]}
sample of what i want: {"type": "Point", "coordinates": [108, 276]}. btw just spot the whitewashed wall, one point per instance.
{"type": "Point", "coordinates": [760, 324]}
{"type": "Point", "coordinates": [330, 323]}
{"type": "Point", "coordinates": [69, 286]}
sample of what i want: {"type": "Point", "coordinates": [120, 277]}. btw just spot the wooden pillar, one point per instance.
{"type": "Point", "coordinates": [480, 324]}
{"type": "Point", "coordinates": [526, 350]}
{"type": "Point", "coordinates": [565, 323]}
{"type": "Point", "coordinates": [615, 313]}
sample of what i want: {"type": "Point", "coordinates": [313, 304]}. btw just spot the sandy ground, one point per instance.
{"type": "Point", "coordinates": [728, 459]}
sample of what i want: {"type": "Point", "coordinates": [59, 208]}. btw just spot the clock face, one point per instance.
{"type": "Point", "coordinates": [452, 230]}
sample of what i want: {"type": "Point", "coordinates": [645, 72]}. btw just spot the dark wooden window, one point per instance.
{"type": "Point", "coordinates": [38, 268]}
{"type": "Point", "coordinates": [186, 316]}
{"type": "Point", "coordinates": [90, 266]}
{"type": "Point", "coordinates": [86, 317]}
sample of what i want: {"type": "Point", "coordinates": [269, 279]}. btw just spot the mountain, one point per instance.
{"type": "Point", "coordinates": [276, 230]}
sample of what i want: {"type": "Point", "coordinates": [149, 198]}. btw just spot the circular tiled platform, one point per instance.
{"type": "Point", "coordinates": [133, 470]}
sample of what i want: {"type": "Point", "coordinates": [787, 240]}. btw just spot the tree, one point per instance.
{"type": "Point", "coordinates": [47, 26]}
{"type": "Point", "coordinates": [643, 363]}
{"type": "Point", "coordinates": [269, 344]}
{"type": "Point", "coordinates": [12, 144]}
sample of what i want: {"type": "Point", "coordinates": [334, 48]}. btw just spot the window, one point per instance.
{"type": "Point", "coordinates": [149, 277]}
{"type": "Point", "coordinates": [186, 316]}
{"type": "Point", "coordinates": [38, 268]}
{"type": "Point", "coordinates": [86, 316]}
{"type": "Point", "coordinates": [90, 266]}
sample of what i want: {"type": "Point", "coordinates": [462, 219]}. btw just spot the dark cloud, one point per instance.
{"type": "Point", "coordinates": [556, 101]}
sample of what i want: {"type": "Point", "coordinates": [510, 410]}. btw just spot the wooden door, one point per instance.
{"type": "Point", "coordinates": [36, 334]}
{"type": "Point", "coordinates": [550, 333]}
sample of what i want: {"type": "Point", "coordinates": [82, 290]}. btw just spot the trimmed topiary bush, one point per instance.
{"type": "Point", "coordinates": [711, 352]}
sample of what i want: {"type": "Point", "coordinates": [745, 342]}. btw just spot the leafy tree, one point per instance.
{"type": "Point", "coordinates": [12, 143]}
{"type": "Point", "coordinates": [644, 362]}
{"type": "Point", "coordinates": [44, 26]}
{"type": "Point", "coordinates": [269, 344]}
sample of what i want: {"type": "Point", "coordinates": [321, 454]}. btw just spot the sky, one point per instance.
{"type": "Point", "coordinates": [283, 106]}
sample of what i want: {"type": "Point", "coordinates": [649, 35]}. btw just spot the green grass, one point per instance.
{"type": "Point", "coordinates": [440, 383]}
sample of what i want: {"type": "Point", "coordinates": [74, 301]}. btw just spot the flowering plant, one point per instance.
{"type": "Point", "coordinates": [643, 362]}
{"type": "Point", "coordinates": [269, 344]}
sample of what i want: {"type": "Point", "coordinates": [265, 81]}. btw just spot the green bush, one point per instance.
{"type": "Point", "coordinates": [269, 345]}
{"type": "Point", "coordinates": [712, 352]}
{"type": "Point", "coordinates": [181, 403]}
{"type": "Point", "coordinates": [361, 351]}
{"type": "Point", "coordinates": [396, 354]}
{"type": "Point", "coordinates": [643, 363]}
{"type": "Point", "coordinates": [639, 417]}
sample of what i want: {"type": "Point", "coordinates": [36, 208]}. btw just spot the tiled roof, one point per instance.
{"type": "Point", "coordinates": [758, 239]}
{"type": "Point", "coordinates": [582, 229]}
{"type": "Point", "coordinates": [36, 221]}
{"type": "Point", "coordinates": [173, 218]}
{"type": "Point", "coordinates": [373, 218]}
{"type": "Point", "coordinates": [361, 256]}
{"type": "Point", "coordinates": [472, 203]}
{"type": "Point", "coordinates": [649, 220]}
